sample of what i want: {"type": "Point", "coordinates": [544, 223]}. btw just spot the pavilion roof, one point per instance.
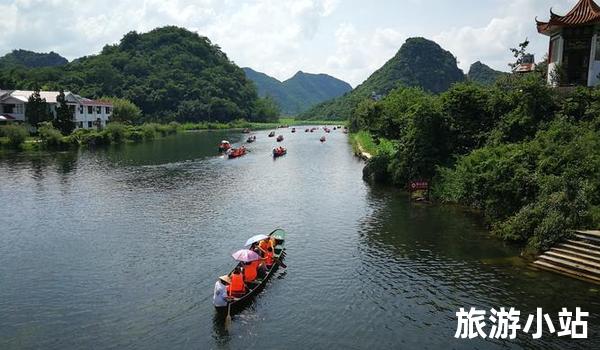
{"type": "Point", "coordinates": [584, 12]}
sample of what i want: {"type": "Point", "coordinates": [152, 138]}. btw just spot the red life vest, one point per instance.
{"type": "Point", "coordinates": [269, 258]}
{"type": "Point", "coordinates": [237, 284]}
{"type": "Point", "coordinates": [250, 271]}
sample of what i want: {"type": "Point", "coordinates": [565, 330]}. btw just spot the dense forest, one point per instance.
{"type": "Point", "coordinates": [30, 59]}
{"type": "Point", "coordinates": [523, 153]}
{"type": "Point", "coordinates": [480, 73]}
{"type": "Point", "coordinates": [419, 63]}
{"type": "Point", "coordinates": [300, 92]}
{"type": "Point", "coordinates": [171, 73]}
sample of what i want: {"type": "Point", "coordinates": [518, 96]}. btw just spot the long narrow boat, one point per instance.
{"type": "Point", "coordinates": [256, 286]}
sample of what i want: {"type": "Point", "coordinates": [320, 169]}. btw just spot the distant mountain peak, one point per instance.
{"type": "Point", "coordinates": [301, 91]}
{"type": "Point", "coordinates": [30, 59]}
{"type": "Point", "coordinates": [419, 62]}
{"type": "Point", "coordinates": [483, 74]}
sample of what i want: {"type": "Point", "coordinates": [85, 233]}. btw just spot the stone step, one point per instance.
{"type": "Point", "coordinates": [587, 238]}
{"type": "Point", "coordinates": [583, 244]}
{"type": "Point", "coordinates": [566, 271]}
{"type": "Point", "coordinates": [578, 259]}
{"type": "Point", "coordinates": [589, 270]}
{"type": "Point", "coordinates": [576, 254]}
{"type": "Point", "coordinates": [591, 233]}
{"type": "Point", "coordinates": [591, 253]}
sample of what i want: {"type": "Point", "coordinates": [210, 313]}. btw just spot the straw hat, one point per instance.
{"type": "Point", "coordinates": [225, 278]}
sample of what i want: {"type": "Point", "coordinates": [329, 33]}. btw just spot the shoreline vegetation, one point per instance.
{"type": "Point", "coordinates": [17, 137]}
{"type": "Point", "coordinates": [523, 154]}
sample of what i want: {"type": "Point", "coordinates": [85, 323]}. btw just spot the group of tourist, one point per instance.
{"type": "Point", "coordinates": [235, 284]}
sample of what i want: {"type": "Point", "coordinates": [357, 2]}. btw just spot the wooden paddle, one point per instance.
{"type": "Point", "coordinates": [228, 318]}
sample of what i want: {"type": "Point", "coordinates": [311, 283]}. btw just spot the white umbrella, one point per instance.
{"type": "Point", "coordinates": [255, 239]}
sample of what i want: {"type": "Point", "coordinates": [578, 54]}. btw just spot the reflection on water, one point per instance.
{"type": "Point", "coordinates": [119, 248]}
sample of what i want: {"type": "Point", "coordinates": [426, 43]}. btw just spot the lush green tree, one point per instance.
{"type": "Point", "coordinates": [265, 110]}
{"type": "Point", "coordinates": [36, 109]}
{"type": "Point", "coordinates": [519, 53]}
{"type": "Point", "coordinates": [16, 135]}
{"type": "Point", "coordinates": [156, 71]}
{"type": "Point", "coordinates": [123, 110]}
{"type": "Point", "coordinates": [64, 115]}
{"type": "Point", "coordinates": [471, 115]}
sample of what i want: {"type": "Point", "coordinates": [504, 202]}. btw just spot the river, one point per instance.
{"type": "Point", "coordinates": [119, 248]}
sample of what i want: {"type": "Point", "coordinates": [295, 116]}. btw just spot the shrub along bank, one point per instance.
{"type": "Point", "coordinates": [524, 154]}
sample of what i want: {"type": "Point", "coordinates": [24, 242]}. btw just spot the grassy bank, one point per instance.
{"type": "Point", "coordinates": [16, 137]}
{"type": "Point", "coordinates": [363, 142]}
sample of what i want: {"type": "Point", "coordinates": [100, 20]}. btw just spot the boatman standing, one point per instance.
{"type": "Point", "coordinates": [220, 294]}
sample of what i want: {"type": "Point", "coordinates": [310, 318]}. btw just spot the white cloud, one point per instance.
{"type": "Point", "coordinates": [280, 37]}
{"type": "Point", "coordinates": [360, 53]}
{"type": "Point", "coordinates": [491, 43]}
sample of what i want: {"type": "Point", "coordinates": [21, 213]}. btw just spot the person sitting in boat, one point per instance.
{"type": "Point", "coordinates": [269, 258]}
{"type": "Point", "coordinates": [251, 271]}
{"type": "Point", "coordinates": [264, 245]}
{"type": "Point", "coordinates": [236, 287]}
{"type": "Point", "coordinates": [220, 293]}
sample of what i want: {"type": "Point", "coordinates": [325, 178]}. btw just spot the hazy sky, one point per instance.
{"type": "Point", "coordinates": [348, 39]}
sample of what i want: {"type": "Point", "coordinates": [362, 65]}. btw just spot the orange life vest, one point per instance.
{"type": "Point", "coordinates": [251, 271]}
{"type": "Point", "coordinates": [237, 284]}
{"type": "Point", "coordinates": [264, 245]}
{"type": "Point", "coordinates": [269, 258]}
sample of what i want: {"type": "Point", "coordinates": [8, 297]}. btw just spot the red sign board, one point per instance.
{"type": "Point", "coordinates": [419, 185]}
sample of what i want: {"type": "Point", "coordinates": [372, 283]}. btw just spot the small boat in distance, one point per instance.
{"type": "Point", "coordinates": [224, 146]}
{"type": "Point", "coordinates": [307, 130]}
{"type": "Point", "coordinates": [293, 129]}
{"type": "Point", "coordinates": [251, 139]}
{"type": "Point", "coordinates": [272, 134]}
{"type": "Point", "coordinates": [279, 151]}
{"type": "Point", "coordinates": [236, 152]}
{"type": "Point", "coordinates": [246, 131]}
{"type": "Point", "coordinates": [279, 138]}
{"type": "Point", "coordinates": [322, 139]}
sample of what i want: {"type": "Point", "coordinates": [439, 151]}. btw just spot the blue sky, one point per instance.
{"type": "Point", "coordinates": [348, 39]}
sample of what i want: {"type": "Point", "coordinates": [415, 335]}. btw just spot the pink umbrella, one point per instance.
{"type": "Point", "coordinates": [245, 255]}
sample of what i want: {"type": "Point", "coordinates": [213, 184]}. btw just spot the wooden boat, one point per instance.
{"type": "Point", "coordinates": [236, 152]}
{"type": "Point", "coordinates": [251, 139]}
{"type": "Point", "coordinates": [279, 151]}
{"type": "Point", "coordinates": [279, 138]}
{"type": "Point", "coordinates": [257, 285]}
{"type": "Point", "coordinates": [272, 134]}
{"type": "Point", "coordinates": [224, 146]}
{"type": "Point", "coordinates": [323, 139]}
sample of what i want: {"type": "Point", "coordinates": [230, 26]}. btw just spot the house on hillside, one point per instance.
{"type": "Point", "coordinates": [87, 113]}
{"type": "Point", "coordinates": [574, 51]}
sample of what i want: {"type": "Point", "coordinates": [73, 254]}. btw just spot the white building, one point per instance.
{"type": "Point", "coordinates": [86, 113]}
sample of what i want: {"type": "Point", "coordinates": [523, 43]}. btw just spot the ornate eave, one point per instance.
{"type": "Point", "coordinates": [586, 12]}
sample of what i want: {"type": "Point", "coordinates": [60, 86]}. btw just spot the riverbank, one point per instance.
{"type": "Point", "coordinates": [364, 146]}
{"type": "Point", "coordinates": [16, 138]}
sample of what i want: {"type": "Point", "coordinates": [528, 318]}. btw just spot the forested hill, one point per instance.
{"type": "Point", "coordinates": [30, 59]}
{"type": "Point", "coordinates": [300, 92]}
{"type": "Point", "coordinates": [483, 74]}
{"type": "Point", "coordinates": [169, 72]}
{"type": "Point", "coordinates": [419, 63]}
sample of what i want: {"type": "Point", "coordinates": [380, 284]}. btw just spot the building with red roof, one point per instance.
{"type": "Point", "coordinates": [574, 50]}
